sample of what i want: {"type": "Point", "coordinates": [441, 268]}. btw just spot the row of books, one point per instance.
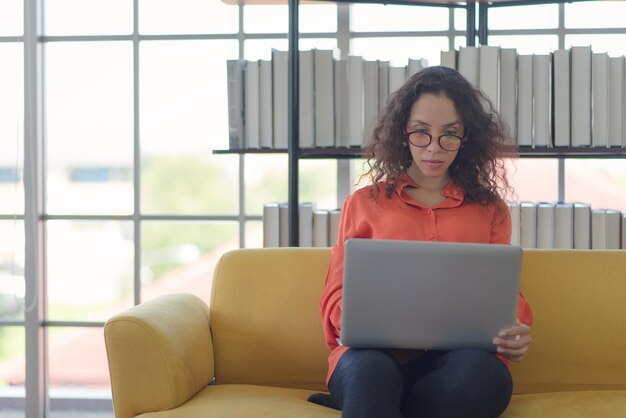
{"type": "Point", "coordinates": [339, 99]}
{"type": "Point", "coordinates": [570, 97]}
{"type": "Point", "coordinates": [567, 226]}
{"type": "Point", "coordinates": [316, 227]}
{"type": "Point", "coordinates": [544, 225]}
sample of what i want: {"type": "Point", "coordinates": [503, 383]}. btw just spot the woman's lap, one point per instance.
{"type": "Point", "coordinates": [457, 383]}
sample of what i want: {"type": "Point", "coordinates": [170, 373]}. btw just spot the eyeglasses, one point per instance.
{"type": "Point", "coordinates": [447, 142]}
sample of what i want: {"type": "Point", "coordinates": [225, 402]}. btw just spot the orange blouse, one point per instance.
{"type": "Point", "coordinates": [401, 217]}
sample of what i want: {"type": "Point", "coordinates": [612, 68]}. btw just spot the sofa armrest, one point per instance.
{"type": "Point", "coordinates": [160, 354]}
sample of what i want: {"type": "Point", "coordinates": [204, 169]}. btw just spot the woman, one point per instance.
{"type": "Point", "coordinates": [436, 173]}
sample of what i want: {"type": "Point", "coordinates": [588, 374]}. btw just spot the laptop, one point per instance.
{"type": "Point", "coordinates": [428, 295]}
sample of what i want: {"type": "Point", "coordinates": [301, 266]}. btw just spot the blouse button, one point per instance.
{"type": "Point", "coordinates": [431, 236]}
{"type": "Point", "coordinates": [429, 211]}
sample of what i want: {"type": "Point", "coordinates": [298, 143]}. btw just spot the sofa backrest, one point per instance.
{"type": "Point", "coordinates": [265, 317]}
{"type": "Point", "coordinates": [578, 300]}
{"type": "Point", "coordinates": [266, 324]}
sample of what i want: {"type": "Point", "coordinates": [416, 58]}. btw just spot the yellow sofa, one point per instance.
{"type": "Point", "coordinates": [258, 351]}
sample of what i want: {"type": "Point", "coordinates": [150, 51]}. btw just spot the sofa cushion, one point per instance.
{"type": "Point", "coordinates": [576, 404]}
{"type": "Point", "coordinates": [577, 298]}
{"type": "Point", "coordinates": [246, 401]}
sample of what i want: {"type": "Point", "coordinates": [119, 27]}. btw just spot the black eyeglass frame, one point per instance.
{"type": "Point", "coordinates": [463, 139]}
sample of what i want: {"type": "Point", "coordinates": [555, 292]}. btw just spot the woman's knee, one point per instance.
{"type": "Point", "coordinates": [367, 383]}
{"type": "Point", "coordinates": [369, 365]}
{"type": "Point", "coordinates": [468, 383]}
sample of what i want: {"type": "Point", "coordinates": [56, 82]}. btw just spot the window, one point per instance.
{"type": "Point", "coordinates": [135, 204]}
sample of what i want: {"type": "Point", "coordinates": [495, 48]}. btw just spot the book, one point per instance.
{"type": "Point", "coordinates": [383, 84]}
{"type": "Point", "coordinates": [616, 101]}
{"type": "Point", "coordinates": [582, 226]}
{"type": "Point", "coordinates": [516, 219]}
{"type": "Point", "coordinates": [320, 228]}
{"type": "Point", "coordinates": [324, 98]}
{"type": "Point", "coordinates": [333, 226]}
{"type": "Point", "coordinates": [415, 66]}
{"type": "Point", "coordinates": [306, 99]}
{"type": "Point", "coordinates": [613, 229]}
{"type": "Point", "coordinates": [564, 226]}
{"type": "Point", "coordinates": [370, 98]}
{"type": "Point", "coordinates": [581, 95]}
{"type": "Point", "coordinates": [508, 88]}
{"type": "Point", "coordinates": [600, 99]}
{"type": "Point", "coordinates": [235, 86]}
{"type": "Point", "coordinates": [280, 71]}
{"type": "Point", "coordinates": [252, 105]}
{"type": "Point", "coordinates": [266, 118]}
{"type": "Point", "coordinates": [545, 225]}
{"type": "Point", "coordinates": [561, 94]}
{"type": "Point", "coordinates": [271, 225]}
{"type": "Point", "coordinates": [525, 101]}
{"type": "Point", "coordinates": [342, 138]}
{"type": "Point", "coordinates": [448, 58]}
{"type": "Point", "coordinates": [541, 100]}
{"type": "Point", "coordinates": [598, 229]}
{"type": "Point", "coordinates": [355, 101]}
{"type": "Point", "coordinates": [283, 216]}
{"type": "Point", "coordinates": [489, 73]}
{"type": "Point", "coordinates": [305, 224]}
{"type": "Point", "coordinates": [397, 78]}
{"type": "Point", "coordinates": [528, 224]}
{"type": "Point", "coordinates": [467, 64]}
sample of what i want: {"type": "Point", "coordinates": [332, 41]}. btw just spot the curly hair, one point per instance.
{"type": "Point", "coordinates": [478, 167]}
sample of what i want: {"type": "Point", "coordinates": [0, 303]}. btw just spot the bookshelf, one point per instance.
{"type": "Point", "coordinates": [479, 30]}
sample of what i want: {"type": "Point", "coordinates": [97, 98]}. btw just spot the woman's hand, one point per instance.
{"type": "Point", "coordinates": [514, 342]}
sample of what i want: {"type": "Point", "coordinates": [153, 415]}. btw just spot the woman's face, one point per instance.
{"type": "Point", "coordinates": [436, 115]}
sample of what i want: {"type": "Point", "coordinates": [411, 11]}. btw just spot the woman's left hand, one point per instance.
{"type": "Point", "coordinates": [514, 342]}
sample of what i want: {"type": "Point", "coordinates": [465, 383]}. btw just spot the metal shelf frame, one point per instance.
{"type": "Point", "coordinates": [474, 30]}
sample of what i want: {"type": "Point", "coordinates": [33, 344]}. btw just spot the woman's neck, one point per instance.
{"type": "Point", "coordinates": [432, 184]}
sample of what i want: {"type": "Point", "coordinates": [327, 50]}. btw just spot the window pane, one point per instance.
{"type": "Point", "coordinates": [596, 14]}
{"type": "Point", "coordinates": [614, 44]}
{"type": "Point", "coordinates": [460, 19]}
{"type": "Point", "coordinates": [526, 44]}
{"type": "Point", "coordinates": [542, 16]}
{"type": "Point", "coordinates": [88, 17]}
{"type": "Point", "coordinates": [11, 128]}
{"type": "Point", "coordinates": [391, 18]}
{"type": "Point", "coordinates": [183, 117]}
{"type": "Point", "coordinates": [12, 371]}
{"type": "Point", "coordinates": [317, 18]}
{"type": "Point", "coordinates": [89, 127]}
{"type": "Point", "coordinates": [266, 19]}
{"type": "Point", "coordinates": [275, 18]}
{"type": "Point", "coordinates": [190, 184]}
{"type": "Point", "coordinates": [179, 257]}
{"type": "Point", "coordinates": [599, 182]}
{"type": "Point", "coordinates": [79, 384]}
{"type": "Point", "coordinates": [318, 183]}
{"type": "Point", "coordinates": [254, 234]}
{"type": "Point", "coordinates": [399, 50]}
{"type": "Point", "coordinates": [11, 18]}
{"type": "Point", "coordinates": [12, 270]}
{"type": "Point", "coordinates": [534, 179]}
{"type": "Point", "coordinates": [90, 269]}
{"type": "Point", "coordinates": [187, 17]}
{"type": "Point", "coordinates": [265, 181]}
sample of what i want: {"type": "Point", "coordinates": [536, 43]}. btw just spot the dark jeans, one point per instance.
{"type": "Point", "coordinates": [370, 383]}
